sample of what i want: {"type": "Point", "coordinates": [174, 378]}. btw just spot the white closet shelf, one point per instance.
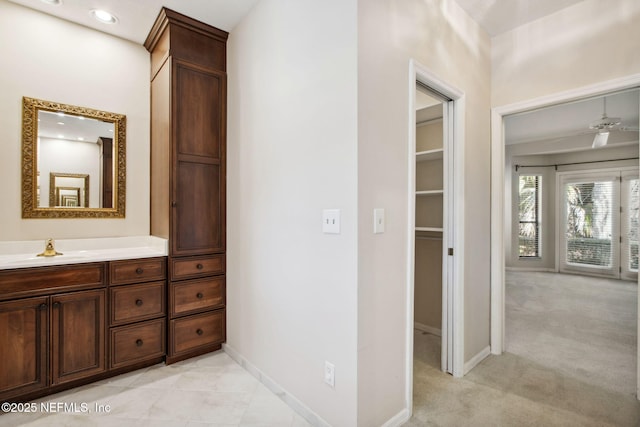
{"type": "Point", "coordinates": [436, 154]}
{"type": "Point", "coordinates": [429, 193]}
{"type": "Point", "coordinates": [437, 229]}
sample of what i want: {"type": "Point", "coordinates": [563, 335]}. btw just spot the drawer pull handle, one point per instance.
{"type": "Point", "coordinates": [199, 331]}
{"type": "Point", "coordinates": [199, 266]}
{"type": "Point", "coordinates": [199, 295]}
{"type": "Point", "coordinates": [139, 342]}
{"type": "Point", "coordinates": [56, 304]}
{"type": "Point", "coordinates": [43, 306]}
{"type": "Point", "coordinates": [139, 270]}
{"type": "Point", "coordinates": [138, 302]}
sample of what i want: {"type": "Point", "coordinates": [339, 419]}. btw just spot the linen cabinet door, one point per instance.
{"type": "Point", "coordinates": [77, 335]}
{"type": "Point", "coordinates": [23, 346]}
{"type": "Point", "coordinates": [198, 192]}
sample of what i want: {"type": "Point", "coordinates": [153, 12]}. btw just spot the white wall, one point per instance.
{"type": "Point", "coordinates": [51, 59]}
{"type": "Point", "coordinates": [292, 295]}
{"type": "Point", "coordinates": [589, 42]}
{"type": "Point", "coordinates": [438, 34]}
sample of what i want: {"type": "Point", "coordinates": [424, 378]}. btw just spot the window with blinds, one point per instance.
{"type": "Point", "coordinates": [589, 222]}
{"type": "Point", "coordinates": [529, 216]}
{"type": "Point", "coordinates": [630, 209]}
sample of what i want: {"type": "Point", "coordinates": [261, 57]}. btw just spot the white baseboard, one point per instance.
{"type": "Point", "coordinates": [547, 270]}
{"type": "Point", "coordinates": [469, 365]}
{"type": "Point", "coordinates": [428, 329]}
{"type": "Point", "coordinates": [303, 410]}
{"type": "Point", "coordinates": [398, 419]}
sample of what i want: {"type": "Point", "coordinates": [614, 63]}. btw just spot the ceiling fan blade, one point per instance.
{"type": "Point", "coordinates": [600, 139]}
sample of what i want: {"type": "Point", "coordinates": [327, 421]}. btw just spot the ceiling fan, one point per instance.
{"type": "Point", "coordinates": [605, 125]}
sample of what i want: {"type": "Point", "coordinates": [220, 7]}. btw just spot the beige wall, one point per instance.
{"type": "Point", "coordinates": [292, 139]}
{"type": "Point", "coordinates": [51, 59]}
{"type": "Point", "coordinates": [438, 34]}
{"type": "Point", "coordinates": [589, 42]}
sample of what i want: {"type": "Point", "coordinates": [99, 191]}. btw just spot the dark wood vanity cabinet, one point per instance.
{"type": "Point", "coordinates": [64, 326]}
{"type": "Point", "coordinates": [188, 176]}
{"type": "Point", "coordinates": [137, 320]}
{"type": "Point", "coordinates": [58, 335]}
{"type": "Point", "coordinates": [23, 346]}
{"type": "Point", "coordinates": [77, 335]}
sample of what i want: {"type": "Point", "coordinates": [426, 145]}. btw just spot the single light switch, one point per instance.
{"type": "Point", "coordinates": [331, 221]}
{"type": "Point", "coordinates": [378, 220]}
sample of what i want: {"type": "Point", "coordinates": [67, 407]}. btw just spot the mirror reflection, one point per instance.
{"type": "Point", "coordinates": [73, 161]}
{"type": "Point", "coordinates": [69, 190]}
{"type": "Point", "coordinates": [76, 148]}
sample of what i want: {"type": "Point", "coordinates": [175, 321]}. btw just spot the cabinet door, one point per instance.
{"type": "Point", "coordinates": [23, 346]}
{"type": "Point", "coordinates": [198, 186]}
{"type": "Point", "coordinates": [77, 335]}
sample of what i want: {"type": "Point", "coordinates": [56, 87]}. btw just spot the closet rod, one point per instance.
{"type": "Point", "coordinates": [428, 238]}
{"type": "Point", "coordinates": [574, 163]}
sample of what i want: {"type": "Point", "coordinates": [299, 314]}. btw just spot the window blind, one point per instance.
{"type": "Point", "coordinates": [590, 222]}
{"type": "Point", "coordinates": [529, 216]}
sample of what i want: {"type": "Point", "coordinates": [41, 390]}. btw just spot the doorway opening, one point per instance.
{"type": "Point", "coordinates": [435, 233]}
{"type": "Point", "coordinates": [564, 224]}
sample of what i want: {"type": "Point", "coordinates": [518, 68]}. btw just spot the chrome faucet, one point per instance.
{"type": "Point", "coordinates": [49, 249]}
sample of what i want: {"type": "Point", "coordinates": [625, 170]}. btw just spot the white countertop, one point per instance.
{"type": "Point", "coordinates": [23, 254]}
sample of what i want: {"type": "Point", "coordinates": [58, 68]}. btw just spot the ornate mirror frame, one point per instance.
{"type": "Point", "coordinates": [30, 209]}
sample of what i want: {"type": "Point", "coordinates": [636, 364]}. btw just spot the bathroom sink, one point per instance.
{"type": "Point", "coordinates": [25, 260]}
{"type": "Point", "coordinates": [75, 251]}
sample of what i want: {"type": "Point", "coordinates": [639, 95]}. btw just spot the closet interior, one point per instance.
{"type": "Point", "coordinates": [429, 204]}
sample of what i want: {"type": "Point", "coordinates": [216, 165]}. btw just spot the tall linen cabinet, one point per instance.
{"type": "Point", "coordinates": [188, 177]}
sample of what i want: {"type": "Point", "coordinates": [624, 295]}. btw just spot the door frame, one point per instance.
{"type": "Point", "coordinates": [454, 153]}
{"type": "Point", "coordinates": [498, 232]}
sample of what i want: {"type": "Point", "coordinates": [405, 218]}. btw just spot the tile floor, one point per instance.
{"type": "Point", "coordinates": [210, 390]}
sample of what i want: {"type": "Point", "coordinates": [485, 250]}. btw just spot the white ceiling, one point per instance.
{"type": "Point", "coordinates": [135, 17]}
{"type": "Point", "coordinates": [71, 127]}
{"type": "Point", "coordinates": [499, 16]}
{"type": "Point", "coordinates": [565, 121]}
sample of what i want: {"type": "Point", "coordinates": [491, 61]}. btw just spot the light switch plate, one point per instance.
{"type": "Point", "coordinates": [378, 220]}
{"type": "Point", "coordinates": [331, 221]}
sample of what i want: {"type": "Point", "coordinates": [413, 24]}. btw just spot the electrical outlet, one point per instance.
{"type": "Point", "coordinates": [329, 374]}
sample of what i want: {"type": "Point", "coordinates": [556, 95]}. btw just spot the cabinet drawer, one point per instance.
{"type": "Point", "coordinates": [197, 295]}
{"type": "Point", "coordinates": [137, 271]}
{"type": "Point", "coordinates": [187, 268]}
{"type": "Point", "coordinates": [135, 343]}
{"type": "Point", "coordinates": [133, 303]}
{"type": "Point", "coordinates": [199, 330]}
{"type": "Point", "coordinates": [39, 281]}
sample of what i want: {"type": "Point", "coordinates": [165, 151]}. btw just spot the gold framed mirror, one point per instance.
{"type": "Point", "coordinates": [79, 155]}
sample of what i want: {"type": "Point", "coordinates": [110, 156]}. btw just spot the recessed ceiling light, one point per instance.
{"type": "Point", "coordinates": [61, 123]}
{"type": "Point", "coordinates": [104, 16]}
{"type": "Point", "coordinates": [60, 136]}
{"type": "Point", "coordinates": [52, 2]}
{"type": "Point", "coordinates": [80, 138]}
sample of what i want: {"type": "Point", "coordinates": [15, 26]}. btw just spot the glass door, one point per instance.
{"type": "Point", "coordinates": [599, 224]}
{"type": "Point", "coordinates": [629, 221]}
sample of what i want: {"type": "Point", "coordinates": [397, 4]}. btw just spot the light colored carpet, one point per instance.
{"type": "Point", "coordinates": [526, 389]}
{"type": "Point", "coordinates": [583, 327]}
